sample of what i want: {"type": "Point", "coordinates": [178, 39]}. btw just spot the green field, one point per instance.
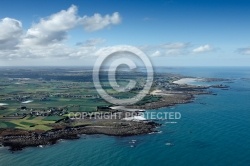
{"type": "Point", "coordinates": [53, 97]}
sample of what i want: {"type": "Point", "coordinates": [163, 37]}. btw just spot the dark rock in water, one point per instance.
{"type": "Point", "coordinates": [220, 86]}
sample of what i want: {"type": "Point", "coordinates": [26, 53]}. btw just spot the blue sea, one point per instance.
{"type": "Point", "coordinates": [213, 130]}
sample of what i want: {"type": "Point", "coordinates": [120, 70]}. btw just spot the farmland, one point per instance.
{"type": "Point", "coordinates": [35, 98]}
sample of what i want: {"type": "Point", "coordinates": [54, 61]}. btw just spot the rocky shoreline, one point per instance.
{"type": "Point", "coordinates": [17, 139]}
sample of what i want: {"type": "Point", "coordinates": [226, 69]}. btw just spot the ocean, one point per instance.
{"type": "Point", "coordinates": [213, 130]}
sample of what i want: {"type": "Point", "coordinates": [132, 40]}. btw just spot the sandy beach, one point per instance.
{"type": "Point", "coordinates": [188, 81]}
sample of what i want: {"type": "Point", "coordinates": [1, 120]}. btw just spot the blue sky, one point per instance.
{"type": "Point", "coordinates": [170, 32]}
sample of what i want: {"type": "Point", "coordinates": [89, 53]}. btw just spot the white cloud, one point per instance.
{"type": "Point", "coordinates": [168, 49]}
{"type": "Point", "coordinates": [203, 49]}
{"type": "Point", "coordinates": [91, 42]}
{"type": "Point", "coordinates": [52, 29]}
{"type": "Point", "coordinates": [97, 21]}
{"type": "Point", "coordinates": [157, 53]}
{"type": "Point", "coordinates": [108, 50]}
{"type": "Point", "coordinates": [244, 51]}
{"type": "Point", "coordinates": [119, 49]}
{"type": "Point", "coordinates": [175, 49]}
{"type": "Point", "coordinates": [47, 37]}
{"type": "Point", "coordinates": [10, 32]}
{"type": "Point", "coordinates": [177, 45]}
{"type": "Point", "coordinates": [178, 48]}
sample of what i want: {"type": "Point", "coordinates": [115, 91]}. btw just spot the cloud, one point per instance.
{"type": "Point", "coordinates": [118, 49]}
{"type": "Point", "coordinates": [178, 48]}
{"type": "Point", "coordinates": [157, 53]}
{"type": "Point", "coordinates": [91, 42]}
{"type": "Point", "coordinates": [167, 49]}
{"type": "Point", "coordinates": [97, 21]}
{"type": "Point", "coordinates": [10, 33]}
{"type": "Point", "coordinates": [175, 49]}
{"type": "Point", "coordinates": [203, 49]}
{"type": "Point", "coordinates": [177, 45]}
{"type": "Point", "coordinates": [244, 51]}
{"type": "Point", "coordinates": [47, 37]}
{"type": "Point", "coordinates": [52, 29]}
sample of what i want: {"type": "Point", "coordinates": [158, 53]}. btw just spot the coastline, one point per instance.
{"type": "Point", "coordinates": [17, 139]}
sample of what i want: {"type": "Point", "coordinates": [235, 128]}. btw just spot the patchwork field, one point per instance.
{"type": "Point", "coordinates": [33, 98]}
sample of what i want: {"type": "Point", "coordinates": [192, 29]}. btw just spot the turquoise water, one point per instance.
{"type": "Point", "coordinates": [213, 130]}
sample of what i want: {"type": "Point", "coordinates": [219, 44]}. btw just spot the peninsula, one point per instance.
{"type": "Point", "coordinates": [36, 104]}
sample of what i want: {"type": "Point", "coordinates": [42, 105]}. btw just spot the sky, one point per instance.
{"type": "Point", "coordinates": [170, 32]}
